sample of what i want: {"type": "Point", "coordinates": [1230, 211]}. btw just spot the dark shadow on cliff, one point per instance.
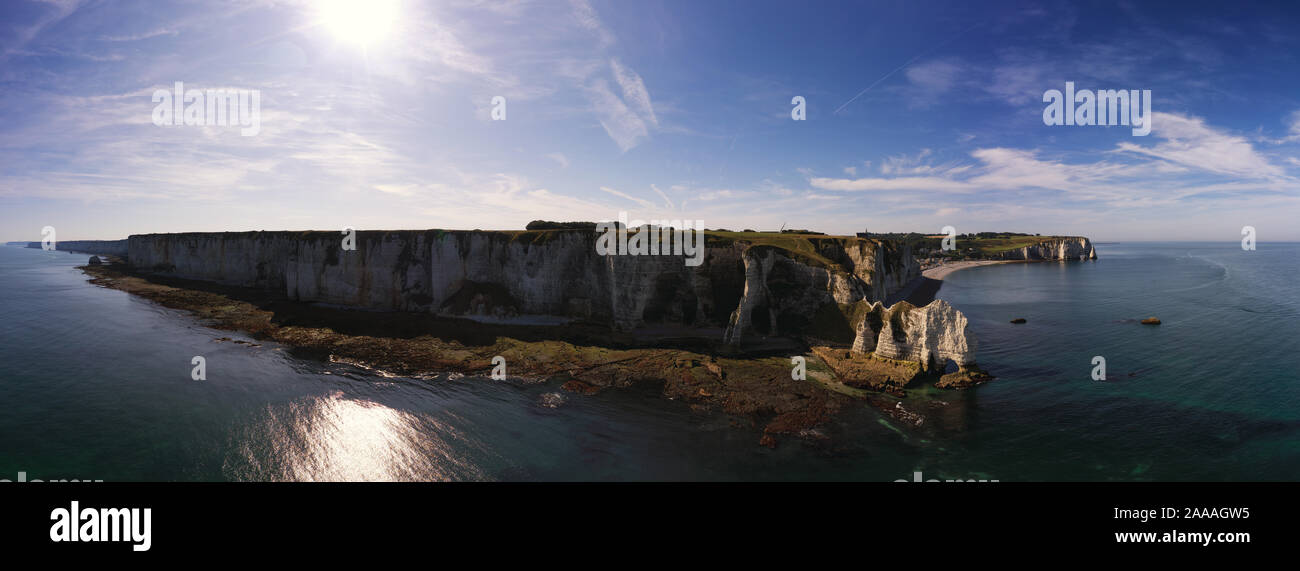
{"type": "Point", "coordinates": [919, 292]}
{"type": "Point", "coordinates": [471, 333]}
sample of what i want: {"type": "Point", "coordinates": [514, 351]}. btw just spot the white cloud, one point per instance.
{"type": "Point", "coordinates": [643, 203]}
{"type": "Point", "coordinates": [899, 183]}
{"type": "Point", "coordinates": [1190, 143]}
{"type": "Point", "coordinates": [620, 123]}
{"type": "Point", "coordinates": [667, 200]}
{"type": "Point", "coordinates": [626, 118]}
{"type": "Point", "coordinates": [587, 19]}
{"type": "Point", "coordinates": [634, 92]}
{"type": "Point", "coordinates": [934, 76]}
{"type": "Point", "coordinates": [141, 36]}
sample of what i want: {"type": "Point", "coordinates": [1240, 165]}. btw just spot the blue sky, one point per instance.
{"type": "Point", "coordinates": [920, 115]}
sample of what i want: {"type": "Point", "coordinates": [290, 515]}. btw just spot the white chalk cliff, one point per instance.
{"type": "Point", "coordinates": [749, 291]}
{"type": "Point", "coordinates": [930, 335]}
{"type": "Point", "coordinates": [1067, 248]}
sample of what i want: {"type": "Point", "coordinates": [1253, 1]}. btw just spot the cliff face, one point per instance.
{"type": "Point", "coordinates": [96, 247]}
{"type": "Point", "coordinates": [387, 271]}
{"type": "Point", "coordinates": [1069, 248]}
{"type": "Point", "coordinates": [750, 290]}
{"type": "Point", "coordinates": [782, 295]}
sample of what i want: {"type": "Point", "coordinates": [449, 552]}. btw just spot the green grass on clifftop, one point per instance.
{"type": "Point", "coordinates": [1000, 245]}
{"type": "Point", "coordinates": [801, 246]}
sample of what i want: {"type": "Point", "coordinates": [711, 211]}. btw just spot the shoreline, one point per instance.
{"type": "Point", "coordinates": [939, 272]}
{"type": "Point", "coordinates": [925, 288]}
{"type": "Point", "coordinates": [756, 388]}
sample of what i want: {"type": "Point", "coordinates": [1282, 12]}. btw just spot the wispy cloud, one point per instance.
{"type": "Point", "coordinates": [141, 36]}
{"type": "Point", "coordinates": [634, 92]}
{"type": "Point", "coordinates": [1189, 142]}
{"type": "Point", "coordinates": [559, 159]}
{"type": "Point", "coordinates": [643, 203]}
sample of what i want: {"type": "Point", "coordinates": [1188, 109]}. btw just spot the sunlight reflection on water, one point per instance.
{"type": "Point", "coordinates": [337, 438]}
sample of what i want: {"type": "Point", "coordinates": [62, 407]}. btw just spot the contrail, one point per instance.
{"type": "Point", "coordinates": [909, 62]}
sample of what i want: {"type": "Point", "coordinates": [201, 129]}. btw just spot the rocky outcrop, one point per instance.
{"type": "Point", "coordinates": [1065, 248]}
{"type": "Point", "coordinates": [749, 290]}
{"type": "Point", "coordinates": [930, 335]}
{"type": "Point", "coordinates": [783, 294]}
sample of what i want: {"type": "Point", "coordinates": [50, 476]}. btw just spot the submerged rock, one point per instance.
{"type": "Point", "coordinates": [551, 400]}
{"type": "Point", "coordinates": [965, 377]}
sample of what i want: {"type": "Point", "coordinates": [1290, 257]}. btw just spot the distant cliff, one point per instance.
{"type": "Point", "coordinates": [1061, 248]}
{"type": "Point", "coordinates": [748, 287]}
{"type": "Point", "coordinates": [96, 247]}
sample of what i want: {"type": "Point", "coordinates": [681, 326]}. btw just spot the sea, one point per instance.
{"type": "Point", "coordinates": [96, 384]}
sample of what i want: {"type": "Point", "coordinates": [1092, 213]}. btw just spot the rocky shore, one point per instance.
{"type": "Point", "coordinates": [757, 390]}
{"type": "Point", "coordinates": [720, 337]}
{"type": "Point", "coordinates": [724, 336]}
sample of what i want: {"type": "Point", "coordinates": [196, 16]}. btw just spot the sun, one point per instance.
{"type": "Point", "coordinates": [361, 22]}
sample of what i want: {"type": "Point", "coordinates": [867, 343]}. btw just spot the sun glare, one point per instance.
{"type": "Point", "coordinates": [360, 22]}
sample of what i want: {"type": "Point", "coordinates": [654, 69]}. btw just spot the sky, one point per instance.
{"type": "Point", "coordinates": [916, 115]}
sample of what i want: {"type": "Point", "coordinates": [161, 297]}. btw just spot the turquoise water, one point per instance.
{"type": "Point", "coordinates": [95, 384]}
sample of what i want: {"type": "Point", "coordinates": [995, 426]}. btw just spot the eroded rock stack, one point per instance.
{"type": "Point", "coordinates": [930, 335]}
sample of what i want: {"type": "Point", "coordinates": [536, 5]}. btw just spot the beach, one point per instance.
{"type": "Point", "coordinates": [938, 273]}
{"type": "Point", "coordinates": [922, 290]}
